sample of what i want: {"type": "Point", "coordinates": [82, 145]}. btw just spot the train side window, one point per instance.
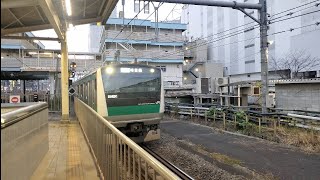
{"type": "Point", "coordinates": [81, 91]}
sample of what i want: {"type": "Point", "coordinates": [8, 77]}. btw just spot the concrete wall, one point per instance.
{"type": "Point", "coordinates": [214, 70]}
{"type": "Point", "coordinates": [173, 72]}
{"type": "Point", "coordinates": [23, 145]}
{"type": "Point", "coordinates": [298, 96]}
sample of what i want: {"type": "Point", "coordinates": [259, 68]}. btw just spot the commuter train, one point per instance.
{"type": "Point", "coordinates": [130, 96]}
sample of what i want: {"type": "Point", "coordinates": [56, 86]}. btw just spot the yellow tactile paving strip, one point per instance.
{"type": "Point", "coordinates": [74, 166]}
{"type": "Point", "coordinates": [68, 157]}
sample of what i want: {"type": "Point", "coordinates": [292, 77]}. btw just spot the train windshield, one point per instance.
{"type": "Point", "coordinates": [131, 85]}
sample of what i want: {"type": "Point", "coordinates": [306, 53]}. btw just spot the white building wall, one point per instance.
{"type": "Point", "coordinates": [173, 73]}
{"type": "Point", "coordinates": [232, 52]}
{"type": "Point", "coordinates": [95, 38]}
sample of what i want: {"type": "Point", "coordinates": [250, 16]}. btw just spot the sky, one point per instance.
{"type": "Point", "coordinates": [78, 36]}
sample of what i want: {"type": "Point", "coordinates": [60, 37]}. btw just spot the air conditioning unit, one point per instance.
{"type": "Point", "coordinates": [218, 82]}
{"type": "Point", "coordinates": [271, 100]}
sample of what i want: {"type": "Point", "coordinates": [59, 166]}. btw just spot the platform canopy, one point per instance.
{"type": "Point", "coordinates": [25, 75]}
{"type": "Point", "coordinates": [31, 15]}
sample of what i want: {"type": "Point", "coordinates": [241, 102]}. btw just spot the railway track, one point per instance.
{"type": "Point", "coordinates": [169, 165]}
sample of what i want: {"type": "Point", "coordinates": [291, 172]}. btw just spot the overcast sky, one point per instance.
{"type": "Point", "coordinates": [78, 37]}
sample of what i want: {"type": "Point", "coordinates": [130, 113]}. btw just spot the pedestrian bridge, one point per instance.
{"type": "Point", "coordinates": [35, 145]}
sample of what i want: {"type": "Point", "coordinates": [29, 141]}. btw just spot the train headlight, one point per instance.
{"type": "Point", "coordinates": [152, 70]}
{"type": "Point", "coordinates": [109, 70]}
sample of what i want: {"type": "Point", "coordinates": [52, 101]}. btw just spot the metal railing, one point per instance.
{"type": "Point", "coordinates": [24, 138]}
{"type": "Point", "coordinates": [146, 36]}
{"type": "Point", "coordinates": [53, 100]}
{"type": "Point", "coordinates": [150, 53]}
{"type": "Point", "coordinates": [116, 155]}
{"type": "Point", "coordinates": [224, 114]}
{"type": "Point", "coordinates": [49, 62]}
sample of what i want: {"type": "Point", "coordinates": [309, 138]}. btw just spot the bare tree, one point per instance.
{"type": "Point", "coordinates": [294, 62]}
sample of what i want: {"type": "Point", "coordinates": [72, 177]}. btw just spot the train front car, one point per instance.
{"type": "Point", "coordinates": [134, 100]}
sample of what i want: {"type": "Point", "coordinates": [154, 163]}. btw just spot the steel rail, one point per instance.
{"type": "Point", "coordinates": [181, 174]}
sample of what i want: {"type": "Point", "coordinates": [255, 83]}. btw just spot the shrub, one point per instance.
{"type": "Point", "coordinates": [246, 127]}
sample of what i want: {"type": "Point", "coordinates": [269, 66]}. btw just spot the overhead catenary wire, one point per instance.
{"type": "Point", "coordinates": [295, 7]}
{"type": "Point", "coordinates": [293, 12]}
{"type": "Point", "coordinates": [129, 22]}
{"type": "Point", "coordinates": [206, 43]}
{"type": "Point", "coordinates": [255, 22]}
{"type": "Point", "coordinates": [271, 22]}
{"type": "Point", "coordinates": [279, 32]}
{"type": "Point", "coordinates": [316, 5]}
{"type": "Point", "coordinates": [232, 34]}
{"type": "Point", "coordinates": [127, 38]}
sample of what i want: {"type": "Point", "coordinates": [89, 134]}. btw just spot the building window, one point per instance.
{"type": "Point", "coordinates": [136, 6]}
{"type": "Point", "coordinates": [146, 7]}
{"type": "Point", "coordinates": [249, 62]}
{"type": "Point", "coordinates": [256, 90]}
{"type": "Point", "coordinates": [162, 68]}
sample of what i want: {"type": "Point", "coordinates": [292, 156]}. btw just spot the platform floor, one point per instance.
{"type": "Point", "coordinates": [68, 157]}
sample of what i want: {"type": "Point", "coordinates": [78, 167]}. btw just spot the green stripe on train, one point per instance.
{"type": "Point", "coordinates": [126, 110]}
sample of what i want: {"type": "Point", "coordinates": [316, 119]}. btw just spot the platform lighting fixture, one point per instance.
{"type": "Point", "coordinates": [68, 6]}
{"type": "Point", "coordinates": [1, 57]}
{"type": "Point", "coordinates": [185, 78]}
{"type": "Point", "coordinates": [152, 70]}
{"type": "Point", "coordinates": [197, 69]}
{"type": "Point", "coordinates": [35, 41]}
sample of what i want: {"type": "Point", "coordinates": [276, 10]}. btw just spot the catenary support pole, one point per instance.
{"type": "Point", "coordinates": [264, 53]}
{"type": "Point", "coordinates": [64, 80]}
{"type": "Point", "coordinates": [213, 3]}
{"type": "Point", "coordinates": [262, 7]}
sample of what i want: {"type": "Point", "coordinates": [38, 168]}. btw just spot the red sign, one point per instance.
{"type": "Point", "coordinates": [14, 99]}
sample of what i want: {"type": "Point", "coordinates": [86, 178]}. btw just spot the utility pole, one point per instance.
{"type": "Point", "coordinates": [264, 53]}
{"type": "Point", "coordinates": [123, 3]}
{"type": "Point", "coordinates": [262, 8]}
{"type": "Point", "coordinates": [156, 15]}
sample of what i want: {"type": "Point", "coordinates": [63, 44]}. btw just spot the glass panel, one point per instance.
{"type": "Point", "coordinates": [131, 84]}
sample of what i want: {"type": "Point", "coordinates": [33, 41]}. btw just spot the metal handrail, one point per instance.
{"type": "Point", "coordinates": [304, 117]}
{"type": "Point", "coordinates": [118, 136]}
{"type": "Point", "coordinates": [21, 113]}
{"type": "Point", "coordinates": [254, 115]}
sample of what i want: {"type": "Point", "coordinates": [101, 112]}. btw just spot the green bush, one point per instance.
{"type": "Point", "coordinates": [246, 127]}
{"type": "Point", "coordinates": [213, 111]}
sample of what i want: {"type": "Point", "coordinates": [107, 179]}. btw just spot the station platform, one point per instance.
{"type": "Point", "coordinates": [36, 144]}
{"type": "Point", "coordinates": [68, 156]}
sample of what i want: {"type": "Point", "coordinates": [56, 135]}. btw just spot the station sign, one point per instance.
{"type": "Point", "coordinates": [14, 99]}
